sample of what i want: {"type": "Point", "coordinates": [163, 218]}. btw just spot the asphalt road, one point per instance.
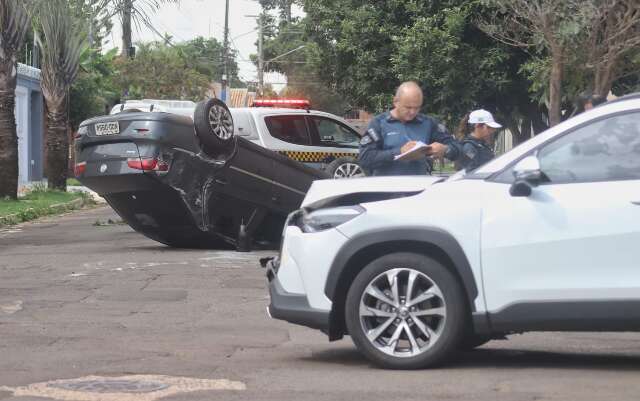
{"type": "Point", "coordinates": [91, 310]}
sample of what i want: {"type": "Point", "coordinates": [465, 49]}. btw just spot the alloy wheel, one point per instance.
{"type": "Point", "coordinates": [348, 170]}
{"type": "Point", "coordinates": [221, 122]}
{"type": "Point", "coordinates": [402, 312]}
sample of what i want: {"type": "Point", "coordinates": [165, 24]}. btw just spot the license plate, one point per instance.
{"type": "Point", "coordinates": [111, 128]}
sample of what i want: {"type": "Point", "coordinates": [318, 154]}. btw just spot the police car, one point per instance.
{"type": "Point", "coordinates": [288, 126]}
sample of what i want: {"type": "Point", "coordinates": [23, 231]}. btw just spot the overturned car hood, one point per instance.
{"type": "Point", "coordinates": [323, 191]}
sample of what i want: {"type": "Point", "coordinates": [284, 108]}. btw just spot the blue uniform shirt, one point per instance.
{"type": "Point", "coordinates": [386, 135]}
{"type": "Point", "coordinates": [474, 154]}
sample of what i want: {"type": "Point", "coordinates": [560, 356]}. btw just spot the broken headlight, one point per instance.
{"type": "Point", "coordinates": [325, 219]}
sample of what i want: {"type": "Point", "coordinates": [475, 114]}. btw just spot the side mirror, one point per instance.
{"type": "Point", "coordinates": [527, 175]}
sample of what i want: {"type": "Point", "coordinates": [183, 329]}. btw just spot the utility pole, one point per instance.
{"type": "Point", "coordinates": [225, 56]}
{"type": "Point", "coordinates": [260, 52]}
{"type": "Point", "coordinates": [260, 59]}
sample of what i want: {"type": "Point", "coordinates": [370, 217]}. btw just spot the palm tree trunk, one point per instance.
{"type": "Point", "coordinates": [126, 28]}
{"type": "Point", "coordinates": [8, 136]}
{"type": "Point", "coordinates": [57, 148]}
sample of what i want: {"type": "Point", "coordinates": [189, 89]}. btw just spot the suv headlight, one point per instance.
{"type": "Point", "coordinates": [325, 219]}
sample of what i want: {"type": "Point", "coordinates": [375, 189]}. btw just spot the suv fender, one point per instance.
{"type": "Point", "coordinates": [362, 249]}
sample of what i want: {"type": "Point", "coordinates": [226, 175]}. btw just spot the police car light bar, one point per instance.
{"type": "Point", "coordinates": [295, 103]}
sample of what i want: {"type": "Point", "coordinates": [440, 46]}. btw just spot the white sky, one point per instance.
{"type": "Point", "coordinates": [205, 18]}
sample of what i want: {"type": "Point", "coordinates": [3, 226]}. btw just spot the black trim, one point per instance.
{"type": "Point", "coordinates": [587, 315]}
{"type": "Point", "coordinates": [481, 324]}
{"type": "Point", "coordinates": [431, 236]}
{"type": "Point", "coordinates": [295, 308]}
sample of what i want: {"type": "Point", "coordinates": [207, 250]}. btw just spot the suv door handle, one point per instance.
{"type": "Point", "coordinates": [637, 203]}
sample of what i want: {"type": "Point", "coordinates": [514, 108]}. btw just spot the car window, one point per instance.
{"type": "Point", "coordinates": [292, 129]}
{"type": "Point", "coordinates": [332, 133]}
{"type": "Point", "coordinates": [606, 150]}
{"type": "Point", "coordinates": [242, 124]}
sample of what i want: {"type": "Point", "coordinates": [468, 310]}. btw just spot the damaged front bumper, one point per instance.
{"type": "Point", "coordinates": [293, 308]}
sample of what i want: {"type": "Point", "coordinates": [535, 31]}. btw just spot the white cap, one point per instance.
{"type": "Point", "coordinates": [483, 117]}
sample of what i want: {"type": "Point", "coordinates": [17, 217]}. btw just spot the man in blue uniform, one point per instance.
{"type": "Point", "coordinates": [398, 131]}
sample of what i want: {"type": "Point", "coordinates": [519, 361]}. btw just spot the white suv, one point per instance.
{"type": "Point", "coordinates": [545, 237]}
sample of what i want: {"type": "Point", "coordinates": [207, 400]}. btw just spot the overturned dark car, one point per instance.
{"type": "Point", "coordinates": [188, 180]}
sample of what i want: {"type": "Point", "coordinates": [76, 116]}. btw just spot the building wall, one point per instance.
{"type": "Point", "coordinates": [30, 126]}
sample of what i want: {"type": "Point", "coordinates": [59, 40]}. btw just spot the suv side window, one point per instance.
{"type": "Point", "coordinates": [332, 133]}
{"type": "Point", "coordinates": [606, 150]}
{"type": "Point", "coordinates": [292, 129]}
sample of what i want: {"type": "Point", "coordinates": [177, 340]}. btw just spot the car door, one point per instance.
{"type": "Point", "coordinates": [568, 256]}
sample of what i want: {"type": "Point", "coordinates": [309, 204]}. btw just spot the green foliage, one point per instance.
{"type": "Point", "coordinates": [206, 57]}
{"type": "Point", "coordinates": [174, 71]}
{"type": "Point", "coordinates": [367, 48]}
{"type": "Point", "coordinates": [286, 50]}
{"type": "Point", "coordinates": [37, 203]}
{"type": "Point", "coordinates": [160, 71]}
{"type": "Point", "coordinates": [94, 91]}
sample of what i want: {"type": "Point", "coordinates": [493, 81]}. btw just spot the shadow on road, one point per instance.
{"type": "Point", "coordinates": [500, 358]}
{"type": "Point", "coordinates": [510, 358]}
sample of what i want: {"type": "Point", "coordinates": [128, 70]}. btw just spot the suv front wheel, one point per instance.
{"type": "Point", "coordinates": [405, 311]}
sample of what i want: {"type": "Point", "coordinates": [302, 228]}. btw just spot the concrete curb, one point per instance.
{"type": "Point", "coordinates": [10, 219]}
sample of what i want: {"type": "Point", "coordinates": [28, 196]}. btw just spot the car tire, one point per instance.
{"type": "Point", "coordinates": [399, 333]}
{"type": "Point", "coordinates": [214, 125]}
{"type": "Point", "coordinates": [345, 167]}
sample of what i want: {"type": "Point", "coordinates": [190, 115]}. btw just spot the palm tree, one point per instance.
{"type": "Point", "coordinates": [61, 42]}
{"type": "Point", "coordinates": [14, 23]}
{"type": "Point", "coordinates": [137, 12]}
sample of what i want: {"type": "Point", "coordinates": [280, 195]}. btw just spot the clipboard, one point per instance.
{"type": "Point", "coordinates": [418, 147]}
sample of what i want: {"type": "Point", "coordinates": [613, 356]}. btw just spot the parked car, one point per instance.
{"type": "Point", "coordinates": [320, 140]}
{"type": "Point", "coordinates": [186, 180]}
{"type": "Point", "coordinates": [543, 238]}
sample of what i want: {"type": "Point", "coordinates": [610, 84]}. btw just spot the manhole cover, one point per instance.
{"type": "Point", "coordinates": [111, 386]}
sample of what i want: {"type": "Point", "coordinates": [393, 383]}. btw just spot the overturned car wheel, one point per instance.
{"type": "Point", "coordinates": [214, 125]}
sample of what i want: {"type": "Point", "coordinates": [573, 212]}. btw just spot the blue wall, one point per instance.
{"type": "Point", "coordinates": [35, 122]}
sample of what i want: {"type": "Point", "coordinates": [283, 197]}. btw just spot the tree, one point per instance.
{"type": "Point", "coordinates": [365, 49]}
{"type": "Point", "coordinates": [284, 6]}
{"type": "Point", "coordinates": [612, 38]}
{"type": "Point", "coordinates": [14, 23]}
{"type": "Point", "coordinates": [135, 12]}
{"type": "Point", "coordinates": [94, 89]}
{"type": "Point", "coordinates": [160, 71]}
{"type": "Point", "coordinates": [61, 41]}
{"type": "Point", "coordinates": [205, 55]}
{"type": "Point", "coordinates": [548, 28]}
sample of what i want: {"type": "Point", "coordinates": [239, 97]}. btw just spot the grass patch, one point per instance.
{"type": "Point", "coordinates": [37, 203]}
{"type": "Point", "coordinates": [72, 182]}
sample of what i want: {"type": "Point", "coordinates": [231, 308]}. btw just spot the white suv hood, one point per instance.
{"type": "Point", "coordinates": [323, 189]}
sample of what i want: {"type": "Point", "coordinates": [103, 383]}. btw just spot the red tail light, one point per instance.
{"type": "Point", "coordinates": [147, 164]}
{"type": "Point", "coordinates": [80, 168]}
